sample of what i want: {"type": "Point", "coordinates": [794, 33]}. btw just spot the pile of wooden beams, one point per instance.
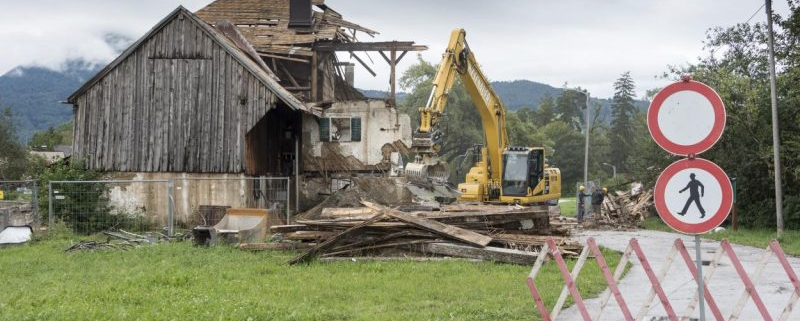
{"type": "Point", "coordinates": [626, 210]}
{"type": "Point", "coordinates": [510, 234]}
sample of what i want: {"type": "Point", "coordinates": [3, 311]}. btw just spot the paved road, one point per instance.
{"type": "Point", "coordinates": [726, 287]}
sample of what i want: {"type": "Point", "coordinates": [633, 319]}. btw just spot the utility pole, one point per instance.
{"type": "Point", "coordinates": [776, 140]}
{"type": "Point", "coordinates": [586, 148]}
{"type": "Point", "coordinates": [614, 170]}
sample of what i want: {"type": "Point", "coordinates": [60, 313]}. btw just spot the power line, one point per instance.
{"type": "Point", "coordinates": [755, 13]}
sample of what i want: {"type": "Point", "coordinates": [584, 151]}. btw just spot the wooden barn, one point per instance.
{"type": "Point", "coordinates": [181, 99]}
{"type": "Point", "coordinates": [241, 87]}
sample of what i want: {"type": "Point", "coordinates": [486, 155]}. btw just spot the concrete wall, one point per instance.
{"type": "Point", "coordinates": [151, 198]}
{"type": "Point", "coordinates": [384, 130]}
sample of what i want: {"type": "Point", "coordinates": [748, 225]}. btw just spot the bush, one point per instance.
{"type": "Point", "coordinates": [84, 207]}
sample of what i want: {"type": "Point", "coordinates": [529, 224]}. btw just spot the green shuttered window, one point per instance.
{"type": "Point", "coordinates": [355, 127]}
{"type": "Point", "coordinates": [324, 129]}
{"type": "Point", "coordinates": [340, 129]}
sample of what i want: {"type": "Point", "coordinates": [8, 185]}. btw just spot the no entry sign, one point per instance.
{"type": "Point", "coordinates": [693, 196]}
{"type": "Point", "coordinates": [686, 117]}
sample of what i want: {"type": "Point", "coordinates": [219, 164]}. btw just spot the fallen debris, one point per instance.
{"type": "Point", "coordinates": [333, 240]}
{"type": "Point", "coordinates": [488, 253]}
{"type": "Point", "coordinates": [445, 230]}
{"type": "Point", "coordinates": [626, 210]}
{"type": "Point", "coordinates": [282, 246]}
{"type": "Point", "coordinates": [127, 236]}
{"type": "Point", "coordinates": [346, 225]}
{"type": "Point", "coordinates": [94, 245]}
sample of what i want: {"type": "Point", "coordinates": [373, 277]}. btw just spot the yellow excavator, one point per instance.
{"type": "Point", "coordinates": [502, 173]}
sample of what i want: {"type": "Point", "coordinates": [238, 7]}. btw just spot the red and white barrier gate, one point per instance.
{"type": "Point", "coordinates": [570, 288]}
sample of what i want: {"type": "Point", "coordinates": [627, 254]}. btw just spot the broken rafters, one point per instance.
{"type": "Point", "coordinates": [265, 24]}
{"type": "Point", "coordinates": [264, 54]}
{"type": "Point", "coordinates": [363, 64]}
{"type": "Point", "coordinates": [369, 46]}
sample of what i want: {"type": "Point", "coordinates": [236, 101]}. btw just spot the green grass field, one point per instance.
{"type": "Point", "coordinates": [568, 206]}
{"type": "Point", "coordinates": [181, 282]}
{"type": "Point", "coordinates": [757, 238]}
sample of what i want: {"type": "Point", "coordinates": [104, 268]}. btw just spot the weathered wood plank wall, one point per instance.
{"type": "Point", "coordinates": [179, 103]}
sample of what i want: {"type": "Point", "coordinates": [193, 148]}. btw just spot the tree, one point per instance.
{"type": "Point", "coordinates": [545, 112]}
{"type": "Point", "coordinates": [461, 125]}
{"type": "Point", "coordinates": [52, 137]}
{"type": "Point", "coordinates": [622, 113]}
{"type": "Point", "coordinates": [14, 158]}
{"type": "Point", "coordinates": [569, 107]}
{"type": "Point", "coordinates": [45, 140]}
{"type": "Point", "coordinates": [567, 153]}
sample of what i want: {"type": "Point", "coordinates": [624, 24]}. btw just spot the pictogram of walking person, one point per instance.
{"type": "Point", "coordinates": [694, 196]}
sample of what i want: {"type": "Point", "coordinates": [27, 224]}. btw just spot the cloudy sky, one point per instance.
{"type": "Point", "coordinates": [581, 43]}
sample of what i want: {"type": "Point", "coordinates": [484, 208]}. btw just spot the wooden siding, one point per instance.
{"type": "Point", "coordinates": [179, 103]}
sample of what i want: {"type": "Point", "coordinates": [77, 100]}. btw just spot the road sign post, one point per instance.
{"type": "Point", "coordinates": [692, 195]}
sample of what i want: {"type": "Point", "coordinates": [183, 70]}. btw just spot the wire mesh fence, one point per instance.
{"type": "Point", "coordinates": [162, 205]}
{"type": "Point", "coordinates": [89, 207]}
{"type": "Point", "coordinates": [18, 203]}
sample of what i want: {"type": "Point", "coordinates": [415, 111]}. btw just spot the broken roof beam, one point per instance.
{"type": "Point", "coordinates": [268, 55]}
{"type": "Point", "coordinates": [363, 64]}
{"type": "Point", "coordinates": [396, 60]}
{"type": "Point", "coordinates": [369, 46]}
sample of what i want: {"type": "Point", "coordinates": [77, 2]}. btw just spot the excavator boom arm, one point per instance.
{"type": "Point", "coordinates": [459, 60]}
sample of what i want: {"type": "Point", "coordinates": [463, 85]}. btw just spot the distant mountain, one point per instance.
{"type": "Point", "coordinates": [523, 93]}
{"type": "Point", "coordinates": [380, 94]}
{"type": "Point", "coordinates": [34, 94]}
{"type": "Point", "coordinates": [517, 94]}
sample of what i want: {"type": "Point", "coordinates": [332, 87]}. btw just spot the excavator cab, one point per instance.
{"type": "Point", "coordinates": [523, 169]}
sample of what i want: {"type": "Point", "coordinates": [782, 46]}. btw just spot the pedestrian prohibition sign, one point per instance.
{"type": "Point", "coordinates": [686, 117]}
{"type": "Point", "coordinates": [695, 196]}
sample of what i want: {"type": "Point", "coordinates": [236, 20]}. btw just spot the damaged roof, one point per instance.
{"type": "Point", "coordinates": [261, 72]}
{"type": "Point", "coordinates": [265, 24]}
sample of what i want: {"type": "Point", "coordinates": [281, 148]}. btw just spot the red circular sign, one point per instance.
{"type": "Point", "coordinates": [664, 121]}
{"type": "Point", "coordinates": [712, 180]}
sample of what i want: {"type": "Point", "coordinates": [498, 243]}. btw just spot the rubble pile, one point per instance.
{"type": "Point", "coordinates": [626, 209]}
{"type": "Point", "coordinates": [341, 227]}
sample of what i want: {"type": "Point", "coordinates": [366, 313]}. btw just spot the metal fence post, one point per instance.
{"type": "Point", "coordinates": [50, 214]}
{"type": "Point", "coordinates": [170, 207]}
{"type": "Point", "coordinates": [35, 202]}
{"type": "Point", "coordinates": [288, 193]}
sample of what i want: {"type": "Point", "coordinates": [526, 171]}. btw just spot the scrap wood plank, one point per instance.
{"type": "Point", "coordinates": [314, 251]}
{"type": "Point", "coordinates": [344, 224]}
{"type": "Point", "coordinates": [309, 235]}
{"type": "Point", "coordinates": [290, 228]}
{"type": "Point", "coordinates": [453, 218]}
{"type": "Point", "coordinates": [361, 213]}
{"type": "Point", "coordinates": [488, 253]}
{"type": "Point", "coordinates": [458, 217]}
{"type": "Point", "coordinates": [482, 207]}
{"type": "Point", "coordinates": [384, 238]}
{"type": "Point", "coordinates": [274, 246]}
{"type": "Point", "coordinates": [379, 246]}
{"type": "Point", "coordinates": [446, 230]}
